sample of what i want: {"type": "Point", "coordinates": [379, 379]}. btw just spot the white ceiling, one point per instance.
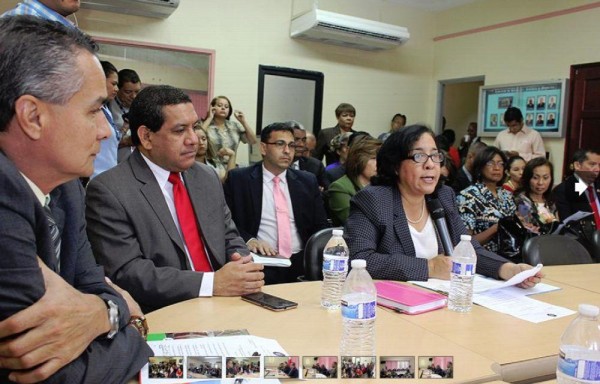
{"type": "Point", "coordinates": [432, 5]}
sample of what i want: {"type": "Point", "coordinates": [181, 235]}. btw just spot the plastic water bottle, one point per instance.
{"type": "Point", "coordinates": [335, 269]}
{"type": "Point", "coordinates": [579, 355]}
{"type": "Point", "coordinates": [462, 276]}
{"type": "Point", "coordinates": [359, 301]}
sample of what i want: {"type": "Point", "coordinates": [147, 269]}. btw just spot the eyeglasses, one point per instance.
{"type": "Point", "coordinates": [420, 157]}
{"type": "Point", "coordinates": [280, 144]}
{"type": "Point", "coordinates": [492, 164]}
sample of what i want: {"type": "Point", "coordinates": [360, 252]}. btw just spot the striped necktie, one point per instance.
{"type": "Point", "coordinates": [55, 235]}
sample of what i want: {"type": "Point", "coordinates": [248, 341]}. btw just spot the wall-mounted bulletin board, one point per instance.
{"type": "Point", "coordinates": [542, 105]}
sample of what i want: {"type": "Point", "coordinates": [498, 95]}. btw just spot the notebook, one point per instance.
{"type": "Point", "coordinates": [271, 261]}
{"type": "Point", "coordinates": [408, 299]}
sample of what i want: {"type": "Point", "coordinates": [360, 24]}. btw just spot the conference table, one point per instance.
{"type": "Point", "coordinates": [486, 345]}
{"type": "Point", "coordinates": [584, 276]}
{"type": "Point", "coordinates": [310, 330]}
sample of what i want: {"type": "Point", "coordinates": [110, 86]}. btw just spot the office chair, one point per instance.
{"type": "Point", "coordinates": [595, 251]}
{"type": "Point", "coordinates": [554, 250]}
{"type": "Point", "coordinates": [313, 254]}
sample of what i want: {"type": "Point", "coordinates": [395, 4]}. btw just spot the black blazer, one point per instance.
{"type": "Point", "coordinates": [568, 201]}
{"type": "Point", "coordinates": [461, 181]}
{"type": "Point", "coordinates": [243, 193]}
{"type": "Point", "coordinates": [377, 231]}
{"type": "Point", "coordinates": [314, 166]}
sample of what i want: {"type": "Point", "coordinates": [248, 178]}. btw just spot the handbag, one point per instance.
{"type": "Point", "coordinates": [511, 237]}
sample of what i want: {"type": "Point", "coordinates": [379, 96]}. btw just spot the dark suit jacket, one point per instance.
{"type": "Point", "coordinates": [24, 233]}
{"type": "Point", "coordinates": [135, 238]}
{"type": "Point", "coordinates": [461, 181]}
{"type": "Point", "coordinates": [314, 166]}
{"type": "Point", "coordinates": [243, 191]}
{"type": "Point", "coordinates": [568, 201]}
{"type": "Point", "coordinates": [322, 147]}
{"type": "Point", "coordinates": [377, 231]}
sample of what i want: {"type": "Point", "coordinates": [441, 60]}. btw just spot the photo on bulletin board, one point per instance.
{"type": "Point", "coordinates": [542, 104]}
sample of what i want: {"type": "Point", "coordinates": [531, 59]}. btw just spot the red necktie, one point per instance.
{"type": "Point", "coordinates": [592, 196]}
{"type": "Point", "coordinates": [189, 225]}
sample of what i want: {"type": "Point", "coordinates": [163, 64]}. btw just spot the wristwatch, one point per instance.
{"type": "Point", "coordinates": [140, 324]}
{"type": "Point", "coordinates": [113, 318]}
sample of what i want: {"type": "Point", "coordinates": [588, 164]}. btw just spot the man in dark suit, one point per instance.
{"type": "Point", "coordinates": [303, 163]}
{"type": "Point", "coordinates": [138, 229]}
{"type": "Point", "coordinates": [464, 176]}
{"type": "Point", "coordinates": [61, 322]}
{"type": "Point", "coordinates": [344, 114]}
{"type": "Point", "coordinates": [586, 163]}
{"type": "Point", "coordinates": [253, 193]}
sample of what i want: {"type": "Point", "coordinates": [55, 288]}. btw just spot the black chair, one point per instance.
{"type": "Point", "coordinates": [313, 254]}
{"type": "Point", "coordinates": [554, 250]}
{"type": "Point", "coordinates": [596, 246]}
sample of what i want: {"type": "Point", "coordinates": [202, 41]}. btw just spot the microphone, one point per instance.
{"type": "Point", "coordinates": [439, 218]}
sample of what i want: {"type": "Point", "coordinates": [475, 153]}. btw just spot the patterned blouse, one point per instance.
{"type": "Point", "coordinates": [226, 138]}
{"type": "Point", "coordinates": [479, 209]}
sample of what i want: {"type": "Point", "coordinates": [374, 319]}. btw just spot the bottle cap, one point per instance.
{"type": "Point", "coordinates": [465, 237]}
{"type": "Point", "coordinates": [337, 232]}
{"type": "Point", "coordinates": [359, 263]}
{"type": "Point", "coordinates": [589, 310]}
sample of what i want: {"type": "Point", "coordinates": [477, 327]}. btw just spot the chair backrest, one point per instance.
{"type": "Point", "coordinates": [554, 250]}
{"type": "Point", "coordinates": [596, 246]}
{"type": "Point", "coordinates": [313, 254]}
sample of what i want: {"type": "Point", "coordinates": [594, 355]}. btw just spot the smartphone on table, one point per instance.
{"type": "Point", "coordinates": [271, 302]}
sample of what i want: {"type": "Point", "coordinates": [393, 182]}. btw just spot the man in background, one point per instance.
{"type": "Point", "coordinates": [276, 208]}
{"type": "Point", "coordinates": [129, 86]}
{"type": "Point", "coordinates": [301, 162]}
{"type": "Point", "coordinates": [345, 114]}
{"type": "Point", "coordinates": [158, 222]}
{"type": "Point", "coordinates": [464, 176]}
{"type": "Point", "coordinates": [519, 139]}
{"type": "Point", "coordinates": [60, 321]}
{"type": "Point", "coordinates": [54, 10]}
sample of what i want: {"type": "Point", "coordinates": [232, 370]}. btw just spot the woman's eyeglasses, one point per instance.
{"type": "Point", "coordinates": [420, 157]}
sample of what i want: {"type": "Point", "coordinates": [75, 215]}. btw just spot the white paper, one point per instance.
{"type": "Point", "coordinates": [574, 217]}
{"type": "Point", "coordinates": [226, 346]}
{"type": "Point", "coordinates": [516, 279]}
{"type": "Point", "coordinates": [270, 261]}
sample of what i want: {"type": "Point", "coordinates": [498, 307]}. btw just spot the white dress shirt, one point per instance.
{"type": "Point", "coordinates": [267, 231]}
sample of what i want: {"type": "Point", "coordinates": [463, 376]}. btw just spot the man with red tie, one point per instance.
{"type": "Point", "coordinates": [158, 222]}
{"type": "Point", "coordinates": [276, 208]}
{"type": "Point", "coordinates": [586, 163]}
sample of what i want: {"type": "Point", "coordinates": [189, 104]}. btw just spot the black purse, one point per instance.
{"type": "Point", "coordinates": [582, 230]}
{"type": "Point", "coordinates": [511, 237]}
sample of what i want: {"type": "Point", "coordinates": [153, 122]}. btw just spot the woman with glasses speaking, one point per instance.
{"type": "Point", "coordinates": [483, 204]}
{"type": "Point", "coordinates": [391, 227]}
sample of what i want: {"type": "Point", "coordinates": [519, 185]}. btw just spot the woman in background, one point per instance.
{"type": "Point", "coordinates": [535, 208]}
{"type": "Point", "coordinates": [206, 154]}
{"type": "Point", "coordinates": [361, 165]}
{"type": "Point", "coordinates": [514, 172]}
{"type": "Point", "coordinates": [390, 226]}
{"type": "Point", "coordinates": [224, 134]}
{"type": "Point", "coordinates": [398, 122]}
{"type": "Point", "coordinates": [483, 204]}
{"type": "Point", "coordinates": [339, 145]}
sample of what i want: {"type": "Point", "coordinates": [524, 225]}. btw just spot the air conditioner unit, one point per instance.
{"type": "Point", "coordinates": [348, 31]}
{"type": "Point", "coordinates": [148, 8]}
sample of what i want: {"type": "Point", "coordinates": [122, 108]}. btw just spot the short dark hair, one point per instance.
{"type": "Point", "coordinates": [357, 136]}
{"type": "Point", "coordinates": [128, 76]}
{"type": "Point", "coordinates": [513, 114]}
{"type": "Point", "coordinates": [265, 134]}
{"type": "Point", "coordinates": [394, 150]}
{"type": "Point", "coordinates": [108, 68]}
{"type": "Point", "coordinates": [487, 154]}
{"type": "Point", "coordinates": [528, 175]}
{"type": "Point", "coordinates": [344, 107]}
{"type": "Point", "coordinates": [581, 154]}
{"type": "Point", "coordinates": [147, 108]}
{"type": "Point", "coordinates": [39, 58]}
{"type": "Point", "coordinates": [450, 135]}
{"type": "Point", "coordinates": [511, 160]}
{"type": "Point", "coordinates": [399, 115]}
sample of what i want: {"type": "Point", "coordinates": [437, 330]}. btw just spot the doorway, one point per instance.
{"type": "Point", "coordinates": [458, 102]}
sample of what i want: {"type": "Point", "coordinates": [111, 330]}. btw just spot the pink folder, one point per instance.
{"type": "Point", "coordinates": [408, 299]}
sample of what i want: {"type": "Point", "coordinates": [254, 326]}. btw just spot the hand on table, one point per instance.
{"type": "Point", "coordinates": [238, 277]}
{"type": "Point", "coordinates": [508, 270]}
{"type": "Point", "coordinates": [439, 267]}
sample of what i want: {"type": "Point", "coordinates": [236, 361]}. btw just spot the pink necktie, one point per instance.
{"type": "Point", "coordinates": [284, 233]}
{"type": "Point", "coordinates": [592, 197]}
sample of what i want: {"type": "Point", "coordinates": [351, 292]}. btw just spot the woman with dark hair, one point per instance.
{"type": "Point", "coordinates": [484, 203]}
{"type": "Point", "coordinates": [514, 172]}
{"type": "Point", "coordinates": [361, 165]}
{"type": "Point", "coordinates": [224, 133]}
{"type": "Point", "coordinates": [535, 208]}
{"type": "Point", "coordinates": [390, 226]}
